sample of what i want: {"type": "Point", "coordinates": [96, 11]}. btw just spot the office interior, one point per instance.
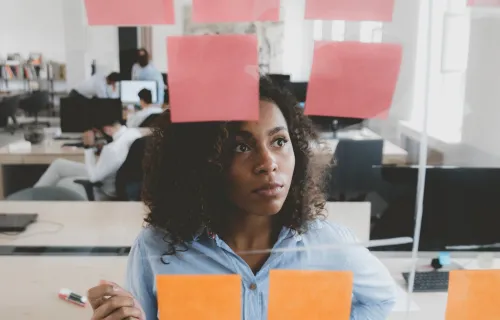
{"type": "Point", "coordinates": [424, 174]}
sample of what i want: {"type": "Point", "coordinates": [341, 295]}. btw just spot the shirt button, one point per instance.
{"type": "Point", "coordinates": [253, 286]}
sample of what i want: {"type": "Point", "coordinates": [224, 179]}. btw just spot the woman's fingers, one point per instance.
{"type": "Point", "coordinates": [126, 314]}
{"type": "Point", "coordinates": [122, 306]}
{"type": "Point", "coordinates": [97, 295]}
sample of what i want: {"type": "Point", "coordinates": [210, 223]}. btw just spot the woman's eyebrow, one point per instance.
{"type": "Point", "coordinates": [248, 135]}
{"type": "Point", "coordinates": [276, 130]}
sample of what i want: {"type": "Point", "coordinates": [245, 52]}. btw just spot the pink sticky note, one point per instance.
{"type": "Point", "coordinates": [213, 11]}
{"type": "Point", "coordinates": [130, 12]}
{"type": "Point", "coordinates": [484, 3]}
{"type": "Point", "coordinates": [353, 79]}
{"type": "Point", "coordinates": [213, 78]}
{"type": "Point", "coordinates": [351, 10]}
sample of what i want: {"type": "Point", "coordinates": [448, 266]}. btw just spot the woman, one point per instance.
{"type": "Point", "coordinates": [219, 190]}
{"type": "Point", "coordinates": [144, 70]}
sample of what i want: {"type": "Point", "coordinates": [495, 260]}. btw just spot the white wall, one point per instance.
{"type": "Point", "coordinates": [32, 26]}
{"type": "Point", "coordinates": [481, 123]}
{"type": "Point", "coordinates": [41, 26]}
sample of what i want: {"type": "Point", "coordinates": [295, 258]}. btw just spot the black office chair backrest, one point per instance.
{"type": "Point", "coordinates": [36, 101]}
{"type": "Point", "coordinates": [130, 174]}
{"type": "Point", "coordinates": [9, 105]}
{"type": "Point", "coordinates": [149, 121]}
{"type": "Point", "coordinates": [354, 166]}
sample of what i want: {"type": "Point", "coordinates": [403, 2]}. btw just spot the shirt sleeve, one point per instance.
{"type": "Point", "coordinates": [132, 120]}
{"type": "Point", "coordinates": [107, 164]}
{"type": "Point", "coordinates": [374, 287]}
{"type": "Point", "coordinates": [140, 279]}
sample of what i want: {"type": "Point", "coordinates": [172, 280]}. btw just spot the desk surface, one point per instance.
{"type": "Point", "coordinates": [30, 286]}
{"type": "Point", "coordinates": [43, 153]}
{"type": "Point", "coordinates": [392, 154]}
{"type": "Point", "coordinates": [114, 224]}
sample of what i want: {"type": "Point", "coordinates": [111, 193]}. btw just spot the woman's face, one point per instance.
{"type": "Point", "coordinates": [262, 165]}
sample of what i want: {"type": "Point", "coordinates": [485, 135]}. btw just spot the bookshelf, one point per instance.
{"type": "Point", "coordinates": [32, 74]}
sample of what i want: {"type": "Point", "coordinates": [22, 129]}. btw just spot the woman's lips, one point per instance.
{"type": "Point", "coordinates": [271, 190]}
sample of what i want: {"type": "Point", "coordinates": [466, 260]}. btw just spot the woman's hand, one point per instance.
{"type": "Point", "coordinates": [111, 302]}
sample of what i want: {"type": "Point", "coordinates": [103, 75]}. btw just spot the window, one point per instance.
{"type": "Point", "coordinates": [370, 32]}
{"type": "Point", "coordinates": [338, 30]}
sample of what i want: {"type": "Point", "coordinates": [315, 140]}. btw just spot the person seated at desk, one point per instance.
{"type": "Point", "coordinates": [96, 86]}
{"type": "Point", "coordinates": [63, 173]}
{"type": "Point", "coordinates": [216, 190]}
{"type": "Point", "coordinates": [145, 70]}
{"type": "Point", "coordinates": [134, 120]}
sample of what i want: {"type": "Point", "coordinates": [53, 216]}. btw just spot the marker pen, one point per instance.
{"type": "Point", "coordinates": [72, 297]}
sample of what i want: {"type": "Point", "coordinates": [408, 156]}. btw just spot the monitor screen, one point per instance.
{"type": "Point", "coordinates": [129, 90]}
{"type": "Point", "coordinates": [460, 207]}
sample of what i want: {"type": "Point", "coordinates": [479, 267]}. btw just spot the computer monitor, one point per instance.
{"type": "Point", "coordinates": [298, 89]}
{"type": "Point", "coordinates": [74, 115]}
{"type": "Point", "coordinates": [280, 79]}
{"type": "Point", "coordinates": [79, 115]}
{"type": "Point", "coordinates": [129, 90]}
{"type": "Point", "coordinates": [460, 209]}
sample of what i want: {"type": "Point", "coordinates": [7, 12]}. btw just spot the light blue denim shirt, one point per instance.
{"type": "Point", "coordinates": [373, 291]}
{"type": "Point", "coordinates": [150, 73]}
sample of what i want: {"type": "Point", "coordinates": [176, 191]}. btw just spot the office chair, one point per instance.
{"type": "Point", "coordinates": [128, 181]}
{"type": "Point", "coordinates": [149, 121]}
{"type": "Point", "coordinates": [46, 194]}
{"type": "Point", "coordinates": [89, 187]}
{"type": "Point", "coordinates": [354, 176]}
{"type": "Point", "coordinates": [129, 177]}
{"type": "Point", "coordinates": [8, 109]}
{"type": "Point", "coordinates": [33, 104]}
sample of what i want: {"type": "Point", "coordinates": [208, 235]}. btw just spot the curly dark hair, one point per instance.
{"type": "Point", "coordinates": [185, 164]}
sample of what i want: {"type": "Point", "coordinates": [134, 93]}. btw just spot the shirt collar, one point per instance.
{"type": "Point", "coordinates": [285, 233]}
{"type": "Point", "coordinates": [119, 133]}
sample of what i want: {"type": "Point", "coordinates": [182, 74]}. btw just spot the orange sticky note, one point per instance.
{"type": "Point", "coordinates": [213, 78]}
{"type": "Point", "coordinates": [484, 3]}
{"type": "Point", "coordinates": [353, 79]}
{"type": "Point", "coordinates": [130, 12]}
{"type": "Point", "coordinates": [351, 10]}
{"type": "Point", "coordinates": [473, 294]}
{"type": "Point", "coordinates": [318, 295]}
{"type": "Point", "coordinates": [213, 11]}
{"type": "Point", "coordinates": [195, 297]}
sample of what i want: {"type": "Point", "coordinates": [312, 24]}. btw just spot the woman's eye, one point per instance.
{"type": "Point", "coordinates": [281, 142]}
{"type": "Point", "coordinates": [241, 148]}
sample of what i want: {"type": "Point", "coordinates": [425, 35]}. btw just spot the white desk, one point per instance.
{"type": "Point", "coordinates": [114, 224]}
{"type": "Point", "coordinates": [30, 286]}
{"type": "Point", "coordinates": [43, 153]}
{"type": "Point", "coordinates": [391, 153]}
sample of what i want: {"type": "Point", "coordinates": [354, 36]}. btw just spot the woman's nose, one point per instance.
{"type": "Point", "coordinates": [266, 163]}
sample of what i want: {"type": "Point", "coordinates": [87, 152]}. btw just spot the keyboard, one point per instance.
{"type": "Point", "coordinates": [433, 281]}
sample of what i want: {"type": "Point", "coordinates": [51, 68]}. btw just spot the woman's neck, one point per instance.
{"type": "Point", "coordinates": [250, 232]}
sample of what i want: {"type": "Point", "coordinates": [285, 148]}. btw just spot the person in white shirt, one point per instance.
{"type": "Point", "coordinates": [63, 173]}
{"type": "Point", "coordinates": [134, 120]}
{"type": "Point", "coordinates": [96, 86]}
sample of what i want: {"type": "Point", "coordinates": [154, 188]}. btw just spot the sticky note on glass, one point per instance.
{"type": "Point", "coordinates": [350, 10]}
{"type": "Point", "coordinates": [473, 294]}
{"type": "Point", "coordinates": [319, 295]}
{"type": "Point", "coordinates": [213, 78]}
{"type": "Point", "coordinates": [199, 297]}
{"type": "Point", "coordinates": [129, 12]}
{"type": "Point", "coordinates": [353, 79]}
{"type": "Point", "coordinates": [214, 11]}
{"type": "Point", "coordinates": [484, 3]}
